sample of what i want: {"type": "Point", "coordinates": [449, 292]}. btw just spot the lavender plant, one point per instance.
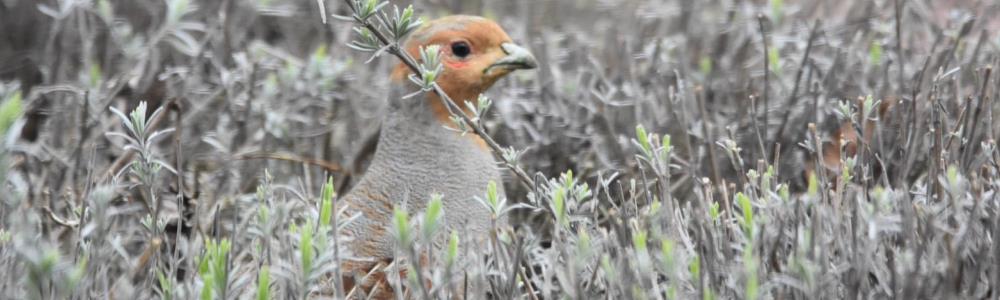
{"type": "Point", "coordinates": [848, 157]}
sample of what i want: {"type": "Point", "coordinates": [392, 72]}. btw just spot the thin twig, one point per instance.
{"type": "Point", "coordinates": [767, 71]}
{"type": "Point", "coordinates": [756, 127]}
{"type": "Point", "coordinates": [899, 46]}
{"type": "Point", "coordinates": [971, 139]}
{"type": "Point", "coordinates": [716, 176]}
{"type": "Point", "coordinates": [793, 98]}
{"type": "Point", "coordinates": [912, 122]}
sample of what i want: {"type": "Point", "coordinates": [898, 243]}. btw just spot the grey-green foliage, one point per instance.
{"type": "Point", "coordinates": [271, 108]}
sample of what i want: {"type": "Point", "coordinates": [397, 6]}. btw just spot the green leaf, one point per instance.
{"type": "Point", "coordinates": [845, 172]}
{"type": "Point", "coordinates": [402, 224]}
{"type": "Point", "coordinates": [812, 188]}
{"type": "Point", "coordinates": [694, 267]}
{"type": "Point", "coordinates": [306, 253]}
{"type": "Point", "coordinates": [777, 10]}
{"type": "Point", "coordinates": [95, 75]}
{"type": "Point", "coordinates": [407, 13]}
{"type": "Point", "coordinates": [10, 110]}
{"type": "Point", "coordinates": [203, 266]}
{"type": "Point", "coordinates": [713, 211]}
{"type": "Point", "coordinates": [432, 216]}
{"type": "Point", "coordinates": [639, 240]}
{"type": "Point", "coordinates": [326, 203]}
{"type": "Point", "coordinates": [667, 251]}
{"type": "Point", "coordinates": [783, 192]}
{"type": "Point", "coordinates": [583, 243]}
{"type": "Point", "coordinates": [206, 290]}
{"type": "Point", "coordinates": [452, 248]}
{"type": "Point", "coordinates": [164, 283]}
{"type": "Point", "coordinates": [320, 53]}
{"type": "Point", "coordinates": [775, 58]}
{"type": "Point", "coordinates": [667, 146]}
{"type": "Point", "coordinates": [104, 10]}
{"type": "Point", "coordinates": [175, 10]}
{"type": "Point", "coordinates": [559, 205]}
{"type": "Point", "coordinates": [640, 134]}
{"type": "Point", "coordinates": [264, 283]}
{"type": "Point", "coordinates": [875, 53]}
{"type": "Point", "coordinates": [750, 265]}
{"type": "Point", "coordinates": [747, 208]}
{"type": "Point", "coordinates": [705, 64]}
{"type": "Point", "coordinates": [212, 267]}
{"type": "Point", "coordinates": [263, 213]}
{"type": "Point", "coordinates": [78, 273]}
{"type": "Point", "coordinates": [492, 195]}
{"type": "Point", "coordinates": [608, 270]}
{"type": "Point", "coordinates": [952, 175]}
{"type": "Point", "coordinates": [655, 206]}
{"type": "Point", "coordinates": [568, 180]}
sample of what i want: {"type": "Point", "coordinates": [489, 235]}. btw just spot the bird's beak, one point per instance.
{"type": "Point", "coordinates": [517, 58]}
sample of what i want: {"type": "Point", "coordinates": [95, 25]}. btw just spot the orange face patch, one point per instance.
{"type": "Point", "coordinates": [464, 77]}
{"type": "Point", "coordinates": [482, 36]}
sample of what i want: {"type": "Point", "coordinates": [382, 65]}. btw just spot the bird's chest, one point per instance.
{"type": "Point", "coordinates": [428, 159]}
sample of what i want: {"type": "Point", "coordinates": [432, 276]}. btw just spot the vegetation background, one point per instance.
{"type": "Point", "coordinates": [180, 149]}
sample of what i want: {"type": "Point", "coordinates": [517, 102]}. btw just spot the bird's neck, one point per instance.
{"type": "Point", "coordinates": [416, 141]}
{"type": "Point", "coordinates": [429, 109]}
{"type": "Point", "coordinates": [460, 94]}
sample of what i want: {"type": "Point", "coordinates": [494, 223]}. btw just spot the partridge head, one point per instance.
{"type": "Point", "coordinates": [476, 53]}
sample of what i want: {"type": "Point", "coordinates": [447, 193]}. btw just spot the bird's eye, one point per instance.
{"type": "Point", "coordinates": [460, 49]}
